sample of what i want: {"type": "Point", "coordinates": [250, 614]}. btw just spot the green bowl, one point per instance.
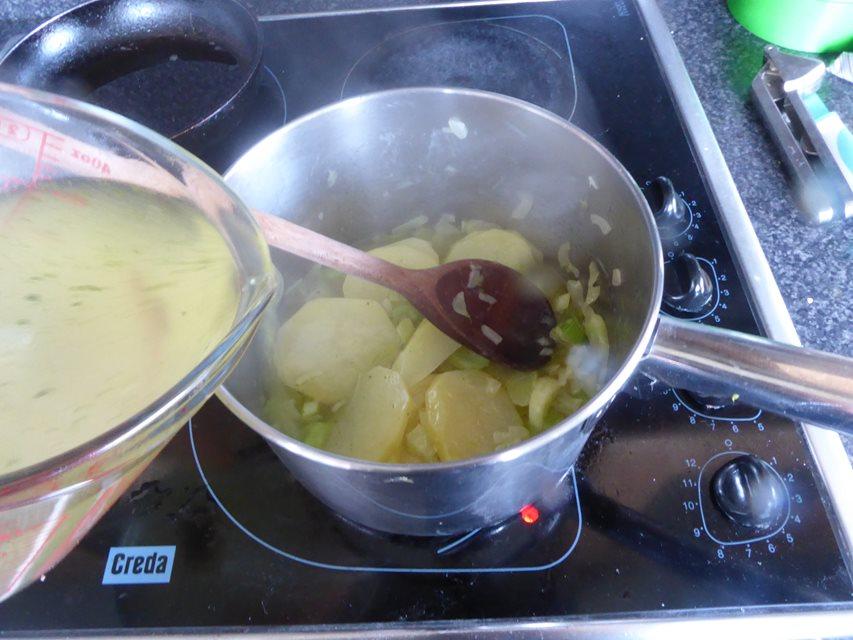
{"type": "Point", "coordinates": [803, 25]}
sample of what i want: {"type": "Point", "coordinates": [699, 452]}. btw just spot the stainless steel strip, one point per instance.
{"type": "Point", "coordinates": [274, 17]}
{"type": "Point", "coordinates": [728, 623]}
{"type": "Point", "coordinates": [827, 449]}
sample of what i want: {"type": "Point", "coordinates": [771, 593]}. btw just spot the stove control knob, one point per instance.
{"type": "Point", "coordinates": [687, 285]}
{"type": "Point", "coordinates": [750, 493]}
{"type": "Point", "coordinates": [704, 401]}
{"type": "Point", "coordinates": [669, 209]}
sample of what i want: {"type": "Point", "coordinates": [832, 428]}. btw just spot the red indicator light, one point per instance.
{"type": "Point", "coordinates": [529, 514]}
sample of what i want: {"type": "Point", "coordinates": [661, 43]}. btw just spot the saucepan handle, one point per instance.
{"type": "Point", "coordinates": [803, 384]}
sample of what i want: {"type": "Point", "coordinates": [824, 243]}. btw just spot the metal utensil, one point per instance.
{"type": "Point", "coordinates": [513, 327]}
{"type": "Point", "coordinates": [390, 152]}
{"type": "Point", "coordinates": [811, 139]}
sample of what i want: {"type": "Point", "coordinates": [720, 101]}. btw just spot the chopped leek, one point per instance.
{"type": "Point", "coordinates": [571, 331]}
{"type": "Point", "coordinates": [317, 433]}
{"type": "Point", "coordinates": [464, 358]}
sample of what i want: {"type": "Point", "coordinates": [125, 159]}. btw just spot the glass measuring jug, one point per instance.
{"type": "Point", "coordinates": [46, 143]}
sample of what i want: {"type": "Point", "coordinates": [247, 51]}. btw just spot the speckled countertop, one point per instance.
{"type": "Point", "coordinates": [812, 265]}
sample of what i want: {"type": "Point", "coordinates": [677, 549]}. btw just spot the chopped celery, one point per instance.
{"type": "Point", "coordinates": [464, 358]}
{"type": "Point", "coordinates": [424, 233]}
{"type": "Point", "coordinates": [541, 398]}
{"type": "Point", "coordinates": [317, 433]}
{"type": "Point", "coordinates": [566, 404]}
{"type": "Point", "coordinates": [571, 331]}
{"type": "Point", "coordinates": [520, 386]}
{"type": "Point", "coordinates": [401, 310]}
{"type": "Point", "coordinates": [405, 329]}
{"type": "Point", "coordinates": [281, 412]}
{"type": "Point", "coordinates": [553, 417]}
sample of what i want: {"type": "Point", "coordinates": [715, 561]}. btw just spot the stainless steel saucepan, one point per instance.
{"type": "Point", "coordinates": [363, 166]}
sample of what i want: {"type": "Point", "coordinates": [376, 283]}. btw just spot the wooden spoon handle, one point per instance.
{"type": "Point", "coordinates": [293, 238]}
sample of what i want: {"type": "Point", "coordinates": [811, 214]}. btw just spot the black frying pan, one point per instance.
{"type": "Point", "coordinates": [86, 47]}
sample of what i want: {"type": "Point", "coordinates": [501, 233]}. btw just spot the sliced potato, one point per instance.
{"type": "Point", "coordinates": [372, 424]}
{"type": "Point", "coordinates": [323, 348]}
{"type": "Point", "coordinates": [418, 392]}
{"type": "Point", "coordinates": [406, 457]}
{"type": "Point", "coordinates": [426, 349]}
{"type": "Point", "coordinates": [419, 445]}
{"type": "Point", "coordinates": [412, 253]}
{"type": "Point", "coordinates": [464, 410]}
{"type": "Point", "coordinates": [509, 437]}
{"type": "Point", "coordinates": [506, 247]}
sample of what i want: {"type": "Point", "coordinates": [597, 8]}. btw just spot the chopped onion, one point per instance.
{"type": "Point", "coordinates": [565, 261]}
{"type": "Point", "coordinates": [524, 206]}
{"type": "Point", "coordinates": [601, 223]}
{"type": "Point", "coordinates": [457, 128]}
{"type": "Point", "coordinates": [592, 183]}
{"type": "Point", "coordinates": [546, 351]}
{"type": "Point", "coordinates": [616, 278]}
{"type": "Point", "coordinates": [575, 289]}
{"type": "Point", "coordinates": [472, 226]}
{"type": "Point", "coordinates": [411, 225]}
{"type": "Point", "coordinates": [593, 288]}
{"type": "Point", "coordinates": [491, 334]}
{"type": "Point", "coordinates": [459, 306]}
{"type": "Point", "coordinates": [595, 329]}
{"type": "Point", "coordinates": [475, 276]}
{"type": "Point", "coordinates": [562, 302]}
{"type": "Point", "coordinates": [332, 178]}
{"type": "Point", "coordinates": [485, 297]}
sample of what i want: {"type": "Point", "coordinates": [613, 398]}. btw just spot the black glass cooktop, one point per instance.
{"type": "Point", "coordinates": [632, 528]}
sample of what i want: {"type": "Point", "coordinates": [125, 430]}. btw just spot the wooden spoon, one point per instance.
{"type": "Point", "coordinates": [491, 309]}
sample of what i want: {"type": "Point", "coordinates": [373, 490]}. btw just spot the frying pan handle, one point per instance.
{"type": "Point", "coordinates": [800, 383]}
